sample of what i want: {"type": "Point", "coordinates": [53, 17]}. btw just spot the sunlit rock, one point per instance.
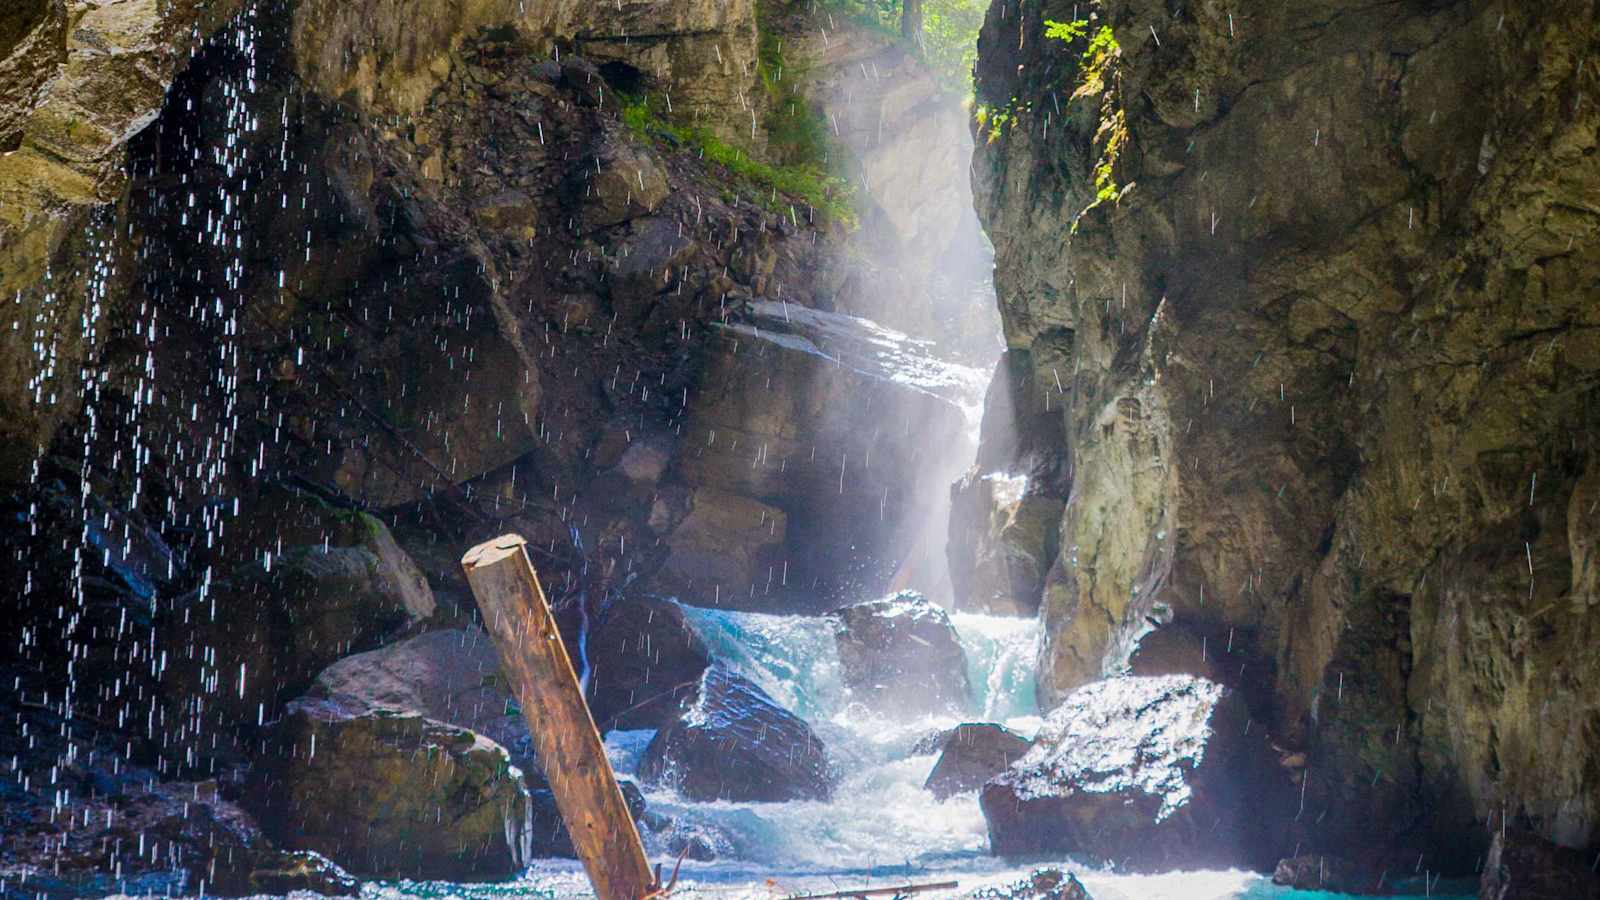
{"type": "Point", "coordinates": [391, 795]}
{"type": "Point", "coordinates": [1302, 401]}
{"type": "Point", "coordinates": [972, 754]}
{"type": "Point", "coordinates": [901, 656]}
{"type": "Point", "coordinates": [733, 743]}
{"type": "Point", "coordinates": [845, 427]}
{"type": "Point", "coordinates": [1145, 773]}
{"type": "Point", "coordinates": [1002, 542]}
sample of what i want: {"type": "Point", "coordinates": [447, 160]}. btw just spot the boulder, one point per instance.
{"type": "Point", "coordinates": [901, 655]}
{"type": "Point", "coordinates": [1317, 872]}
{"type": "Point", "coordinates": [1523, 866]}
{"type": "Point", "coordinates": [1041, 884]}
{"type": "Point", "coordinates": [1147, 773]}
{"type": "Point", "coordinates": [549, 835]}
{"type": "Point", "coordinates": [644, 658]}
{"type": "Point", "coordinates": [971, 755]}
{"type": "Point", "coordinates": [1002, 542]}
{"type": "Point", "coordinates": [734, 743]}
{"type": "Point", "coordinates": [451, 676]}
{"type": "Point", "coordinates": [630, 183]}
{"type": "Point", "coordinates": [391, 795]}
{"type": "Point", "coordinates": [265, 630]}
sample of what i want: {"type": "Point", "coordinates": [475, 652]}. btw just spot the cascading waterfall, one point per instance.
{"type": "Point", "coordinates": [880, 816]}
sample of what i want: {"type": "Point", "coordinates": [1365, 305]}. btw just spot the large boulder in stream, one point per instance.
{"type": "Point", "coordinates": [391, 795]}
{"type": "Point", "coordinates": [901, 655]}
{"type": "Point", "coordinates": [644, 660]}
{"type": "Point", "coordinates": [971, 754]}
{"type": "Point", "coordinates": [734, 743]}
{"type": "Point", "coordinates": [1149, 774]}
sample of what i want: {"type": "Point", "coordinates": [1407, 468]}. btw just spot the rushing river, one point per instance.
{"type": "Point", "coordinates": [881, 828]}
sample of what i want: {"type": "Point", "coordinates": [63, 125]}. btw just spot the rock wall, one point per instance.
{"type": "Point", "coordinates": [1309, 285]}
{"type": "Point", "coordinates": [358, 285]}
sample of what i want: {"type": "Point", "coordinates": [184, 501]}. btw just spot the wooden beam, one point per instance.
{"type": "Point", "coordinates": [897, 890]}
{"type": "Point", "coordinates": [570, 750]}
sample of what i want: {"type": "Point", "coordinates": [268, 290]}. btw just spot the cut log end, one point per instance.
{"type": "Point", "coordinates": [492, 551]}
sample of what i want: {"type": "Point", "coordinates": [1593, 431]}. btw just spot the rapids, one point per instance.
{"type": "Point", "coordinates": [881, 828]}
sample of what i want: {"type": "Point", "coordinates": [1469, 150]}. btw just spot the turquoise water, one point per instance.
{"type": "Point", "coordinates": [881, 828]}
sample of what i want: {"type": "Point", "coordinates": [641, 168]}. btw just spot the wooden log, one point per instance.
{"type": "Point", "coordinates": [569, 747]}
{"type": "Point", "coordinates": [897, 890]}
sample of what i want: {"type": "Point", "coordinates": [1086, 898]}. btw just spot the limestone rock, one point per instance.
{"type": "Point", "coordinates": [842, 426]}
{"type": "Point", "coordinates": [1002, 542]}
{"type": "Point", "coordinates": [971, 755]}
{"type": "Point", "coordinates": [901, 655]}
{"type": "Point", "coordinates": [402, 48]}
{"type": "Point", "coordinates": [1147, 773]}
{"type": "Point", "coordinates": [733, 743]}
{"type": "Point", "coordinates": [390, 795]}
{"type": "Point", "coordinates": [1300, 400]}
{"type": "Point", "coordinates": [629, 182]}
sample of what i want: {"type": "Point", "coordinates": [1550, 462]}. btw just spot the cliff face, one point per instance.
{"type": "Point", "coordinates": [1310, 287]}
{"type": "Point", "coordinates": [308, 279]}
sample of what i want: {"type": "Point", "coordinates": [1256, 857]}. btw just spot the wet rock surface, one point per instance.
{"type": "Point", "coordinates": [733, 743]}
{"type": "Point", "coordinates": [391, 795]}
{"type": "Point", "coordinates": [1301, 393]}
{"type": "Point", "coordinates": [268, 628]}
{"type": "Point", "coordinates": [972, 754]}
{"type": "Point", "coordinates": [450, 676]}
{"type": "Point", "coordinates": [900, 654]}
{"type": "Point", "coordinates": [1147, 774]}
{"type": "Point", "coordinates": [253, 872]}
{"type": "Point", "coordinates": [646, 662]}
{"type": "Point", "coordinates": [1522, 864]}
{"type": "Point", "coordinates": [1313, 872]}
{"type": "Point", "coordinates": [1041, 884]}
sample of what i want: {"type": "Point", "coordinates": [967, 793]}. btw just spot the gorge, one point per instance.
{"type": "Point", "coordinates": [1168, 471]}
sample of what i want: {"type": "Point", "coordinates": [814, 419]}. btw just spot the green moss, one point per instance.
{"type": "Point", "coordinates": [797, 134]}
{"type": "Point", "coordinates": [828, 195]}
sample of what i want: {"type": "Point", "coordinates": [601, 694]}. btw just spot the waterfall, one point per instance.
{"type": "Point", "coordinates": [880, 814]}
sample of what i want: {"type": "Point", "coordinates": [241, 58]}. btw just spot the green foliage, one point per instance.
{"type": "Point", "coordinates": [796, 133]}
{"type": "Point", "coordinates": [828, 195]}
{"type": "Point", "coordinates": [878, 15]}
{"type": "Point", "coordinates": [950, 40]}
{"type": "Point", "coordinates": [1066, 31]}
{"type": "Point", "coordinates": [949, 32]}
{"type": "Point", "coordinates": [1100, 46]}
